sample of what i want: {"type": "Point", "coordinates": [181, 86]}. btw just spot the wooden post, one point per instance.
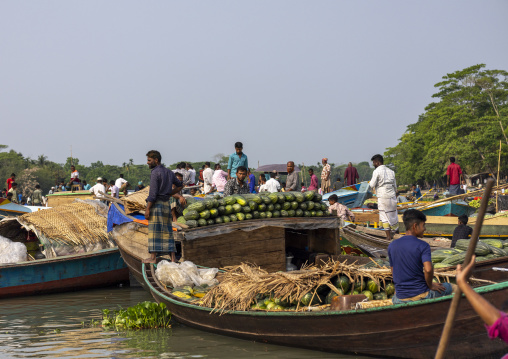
{"type": "Point", "coordinates": [445, 336]}
{"type": "Point", "coordinates": [498, 168]}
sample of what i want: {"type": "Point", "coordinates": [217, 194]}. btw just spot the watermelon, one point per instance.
{"type": "Point", "coordinates": [372, 286]}
{"type": "Point", "coordinates": [307, 298]}
{"type": "Point", "coordinates": [277, 207]}
{"type": "Point", "coordinates": [226, 219]}
{"type": "Point", "coordinates": [280, 198]}
{"type": "Point", "coordinates": [324, 207]}
{"type": "Point", "coordinates": [222, 202]}
{"type": "Point", "coordinates": [219, 220]}
{"type": "Point", "coordinates": [319, 214]}
{"type": "Point", "coordinates": [390, 289]}
{"type": "Point", "coordinates": [270, 207]}
{"type": "Point", "coordinates": [197, 206]}
{"type": "Point", "coordinates": [210, 222]}
{"type": "Point", "coordinates": [262, 215]}
{"type": "Point", "coordinates": [192, 214]}
{"type": "Point", "coordinates": [202, 222]}
{"type": "Point", "coordinates": [240, 216]}
{"type": "Point", "coordinates": [208, 203]}
{"type": "Point", "coordinates": [482, 249]}
{"type": "Point", "coordinates": [294, 205]}
{"type": "Point", "coordinates": [317, 197]}
{"type": "Point", "coordinates": [309, 195]}
{"type": "Point", "coordinates": [205, 214]}
{"type": "Point", "coordinates": [342, 282]}
{"type": "Point", "coordinates": [246, 209]}
{"type": "Point", "coordinates": [368, 294]}
{"type": "Point", "coordinates": [273, 197]}
{"type": "Point", "coordinates": [380, 296]}
{"type": "Point", "coordinates": [360, 285]}
{"type": "Point", "coordinates": [498, 252]}
{"type": "Point", "coordinates": [310, 205]}
{"type": "Point", "coordinates": [185, 211]}
{"type": "Point", "coordinates": [493, 242]}
{"type": "Point", "coordinates": [441, 265]}
{"type": "Point", "coordinates": [233, 218]}
{"type": "Point", "coordinates": [275, 214]}
{"type": "Point", "coordinates": [221, 209]}
{"type": "Point", "coordinates": [192, 223]}
{"type": "Point", "coordinates": [331, 295]}
{"type": "Point", "coordinates": [214, 213]}
{"type": "Point", "coordinates": [299, 197]}
{"type": "Point", "coordinates": [230, 200]}
{"type": "Point", "coordinates": [290, 197]}
{"type": "Point", "coordinates": [291, 213]}
{"type": "Point", "coordinates": [313, 213]}
{"type": "Point", "coordinates": [266, 200]}
{"type": "Point", "coordinates": [298, 213]}
{"type": "Point", "coordinates": [306, 214]}
{"type": "Point", "coordinates": [284, 213]}
{"type": "Point", "coordinates": [353, 292]}
{"type": "Point", "coordinates": [262, 207]}
{"type": "Point", "coordinates": [248, 216]}
{"type": "Point", "coordinates": [253, 205]}
{"type": "Point", "coordinates": [269, 214]}
{"type": "Point", "coordinates": [240, 200]}
{"type": "Point", "coordinates": [257, 199]}
{"type": "Point", "coordinates": [237, 208]}
{"type": "Point", "coordinates": [217, 196]}
{"type": "Point", "coordinates": [180, 220]}
{"type": "Point", "coordinates": [286, 206]}
{"type": "Point", "coordinates": [255, 214]}
{"type": "Point", "coordinates": [215, 203]}
{"type": "Point", "coordinates": [303, 206]}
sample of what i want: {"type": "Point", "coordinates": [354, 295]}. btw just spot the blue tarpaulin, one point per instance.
{"type": "Point", "coordinates": [116, 217]}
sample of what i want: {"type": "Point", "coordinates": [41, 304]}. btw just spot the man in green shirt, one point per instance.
{"type": "Point", "coordinates": [37, 196]}
{"type": "Point", "coordinates": [14, 191]}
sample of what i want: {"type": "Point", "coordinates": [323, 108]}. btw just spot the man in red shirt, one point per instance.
{"type": "Point", "coordinates": [454, 176]}
{"type": "Point", "coordinates": [351, 175]}
{"type": "Point", "coordinates": [10, 181]}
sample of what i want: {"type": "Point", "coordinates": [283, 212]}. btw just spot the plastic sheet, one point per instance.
{"type": "Point", "coordinates": [12, 252]}
{"type": "Point", "coordinates": [288, 222]}
{"type": "Point", "coordinates": [185, 274]}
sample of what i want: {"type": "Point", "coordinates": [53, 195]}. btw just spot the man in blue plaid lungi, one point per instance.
{"type": "Point", "coordinates": [163, 185]}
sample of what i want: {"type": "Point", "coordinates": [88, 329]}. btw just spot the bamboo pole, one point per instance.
{"type": "Point", "coordinates": [445, 336]}
{"type": "Point", "coordinates": [498, 167]}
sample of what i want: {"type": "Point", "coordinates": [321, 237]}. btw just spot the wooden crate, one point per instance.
{"type": "Point", "coordinates": [264, 247]}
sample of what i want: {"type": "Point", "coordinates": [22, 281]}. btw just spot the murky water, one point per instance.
{"type": "Point", "coordinates": [51, 326]}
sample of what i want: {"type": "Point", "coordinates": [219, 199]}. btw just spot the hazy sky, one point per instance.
{"type": "Point", "coordinates": [292, 80]}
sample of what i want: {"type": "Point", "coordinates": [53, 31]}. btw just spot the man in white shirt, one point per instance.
{"type": "Point", "coordinates": [207, 178]}
{"type": "Point", "coordinates": [115, 191]}
{"type": "Point", "coordinates": [98, 188]}
{"type": "Point", "coordinates": [383, 181]}
{"type": "Point", "coordinates": [122, 185]}
{"type": "Point", "coordinates": [192, 174]}
{"type": "Point", "coordinates": [272, 185]}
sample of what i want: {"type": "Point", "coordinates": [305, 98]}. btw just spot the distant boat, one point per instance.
{"type": "Point", "coordinates": [449, 208]}
{"type": "Point", "coordinates": [352, 196]}
{"type": "Point", "coordinates": [7, 208]}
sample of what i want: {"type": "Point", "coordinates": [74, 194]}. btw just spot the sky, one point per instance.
{"type": "Point", "coordinates": [292, 80]}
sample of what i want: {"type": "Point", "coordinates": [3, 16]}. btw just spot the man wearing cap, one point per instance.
{"type": "Point", "coordinates": [272, 185]}
{"type": "Point", "coordinates": [98, 189]}
{"type": "Point", "coordinates": [139, 186]}
{"type": "Point", "coordinates": [325, 176]}
{"type": "Point", "coordinates": [292, 178]}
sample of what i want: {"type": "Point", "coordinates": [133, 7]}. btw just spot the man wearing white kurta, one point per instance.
{"type": "Point", "coordinates": [207, 178]}
{"type": "Point", "coordinates": [383, 181]}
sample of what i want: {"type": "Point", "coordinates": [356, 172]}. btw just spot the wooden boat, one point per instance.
{"type": "Point", "coordinates": [351, 196]}
{"type": "Point", "coordinates": [100, 268]}
{"type": "Point", "coordinates": [7, 208]}
{"type": "Point", "coordinates": [362, 237]}
{"type": "Point", "coordinates": [449, 208]}
{"type": "Point", "coordinates": [399, 331]}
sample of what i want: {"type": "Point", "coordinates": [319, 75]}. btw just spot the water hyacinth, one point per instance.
{"type": "Point", "coordinates": [141, 316]}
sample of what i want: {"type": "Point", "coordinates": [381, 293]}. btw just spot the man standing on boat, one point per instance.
{"type": "Point", "coordinates": [454, 176]}
{"type": "Point", "coordinates": [292, 178]}
{"type": "Point", "coordinates": [10, 181]}
{"type": "Point", "coordinates": [351, 175]}
{"type": "Point", "coordinates": [207, 178]}
{"type": "Point", "coordinates": [383, 181]}
{"type": "Point", "coordinates": [122, 184]}
{"type": "Point", "coordinates": [236, 160]}
{"type": "Point", "coordinates": [158, 208]}
{"type": "Point", "coordinates": [325, 176]}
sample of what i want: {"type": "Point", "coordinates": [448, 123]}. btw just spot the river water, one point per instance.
{"type": "Point", "coordinates": [58, 326]}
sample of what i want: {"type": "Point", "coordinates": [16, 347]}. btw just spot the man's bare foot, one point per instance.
{"type": "Point", "coordinates": [151, 259]}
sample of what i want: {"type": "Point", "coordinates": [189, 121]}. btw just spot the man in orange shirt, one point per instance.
{"type": "Point", "coordinates": [454, 176]}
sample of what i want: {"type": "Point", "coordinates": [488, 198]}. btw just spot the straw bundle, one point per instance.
{"type": "Point", "coordinates": [136, 202]}
{"type": "Point", "coordinates": [374, 304]}
{"type": "Point", "coordinates": [73, 224]}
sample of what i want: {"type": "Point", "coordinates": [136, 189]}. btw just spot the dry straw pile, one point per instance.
{"type": "Point", "coordinates": [136, 202]}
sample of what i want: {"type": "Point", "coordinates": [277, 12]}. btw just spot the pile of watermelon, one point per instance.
{"type": "Point", "coordinates": [485, 249]}
{"type": "Point", "coordinates": [253, 206]}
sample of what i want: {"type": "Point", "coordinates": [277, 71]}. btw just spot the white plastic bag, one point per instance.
{"type": "Point", "coordinates": [12, 252]}
{"type": "Point", "coordinates": [171, 273]}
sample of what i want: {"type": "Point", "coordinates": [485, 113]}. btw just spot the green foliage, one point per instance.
{"type": "Point", "coordinates": [467, 122]}
{"type": "Point", "coordinates": [142, 316]}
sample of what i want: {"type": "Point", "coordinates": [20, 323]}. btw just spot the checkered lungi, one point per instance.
{"type": "Point", "coordinates": [160, 230]}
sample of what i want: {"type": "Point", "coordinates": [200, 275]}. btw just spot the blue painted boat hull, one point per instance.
{"type": "Point", "coordinates": [454, 209]}
{"type": "Point", "coordinates": [351, 196]}
{"type": "Point", "coordinates": [67, 273]}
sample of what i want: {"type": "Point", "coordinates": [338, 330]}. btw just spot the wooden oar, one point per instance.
{"type": "Point", "coordinates": [445, 336]}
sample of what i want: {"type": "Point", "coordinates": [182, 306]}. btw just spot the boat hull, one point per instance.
{"type": "Point", "coordinates": [389, 332]}
{"type": "Point", "coordinates": [68, 273]}
{"type": "Point", "coordinates": [449, 209]}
